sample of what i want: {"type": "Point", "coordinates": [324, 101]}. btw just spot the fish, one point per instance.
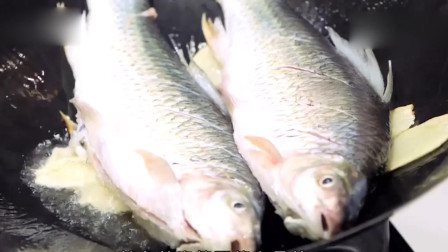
{"type": "Point", "coordinates": [154, 135]}
{"type": "Point", "coordinates": [310, 115]}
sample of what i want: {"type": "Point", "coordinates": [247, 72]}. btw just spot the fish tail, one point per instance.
{"type": "Point", "coordinates": [69, 124]}
{"type": "Point", "coordinates": [364, 60]}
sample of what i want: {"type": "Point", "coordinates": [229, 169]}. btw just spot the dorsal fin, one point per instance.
{"type": "Point", "coordinates": [365, 62]}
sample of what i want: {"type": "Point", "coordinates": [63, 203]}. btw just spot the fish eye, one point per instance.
{"type": "Point", "coordinates": [238, 205]}
{"type": "Point", "coordinates": [327, 181]}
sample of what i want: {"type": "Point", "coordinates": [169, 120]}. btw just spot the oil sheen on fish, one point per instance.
{"type": "Point", "coordinates": [310, 119]}
{"type": "Point", "coordinates": [156, 136]}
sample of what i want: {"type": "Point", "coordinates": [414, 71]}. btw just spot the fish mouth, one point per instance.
{"type": "Point", "coordinates": [243, 244]}
{"type": "Point", "coordinates": [188, 246]}
{"type": "Point", "coordinates": [322, 228]}
{"type": "Point", "coordinates": [235, 246]}
{"type": "Point", "coordinates": [324, 222]}
{"type": "Point", "coordinates": [326, 232]}
{"type": "Point", "coordinates": [190, 229]}
{"type": "Point", "coordinates": [330, 226]}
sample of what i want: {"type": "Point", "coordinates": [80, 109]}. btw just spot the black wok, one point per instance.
{"type": "Point", "coordinates": [29, 115]}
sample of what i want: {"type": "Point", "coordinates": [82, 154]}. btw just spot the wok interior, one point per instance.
{"type": "Point", "coordinates": [420, 74]}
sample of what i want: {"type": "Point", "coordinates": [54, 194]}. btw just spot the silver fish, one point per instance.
{"type": "Point", "coordinates": [310, 119]}
{"type": "Point", "coordinates": [156, 137]}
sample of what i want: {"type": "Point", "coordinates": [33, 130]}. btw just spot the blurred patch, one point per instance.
{"type": "Point", "coordinates": [337, 13]}
{"type": "Point", "coordinates": [56, 26]}
{"type": "Point", "coordinates": [380, 30]}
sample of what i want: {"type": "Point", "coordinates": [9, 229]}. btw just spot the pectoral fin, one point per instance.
{"type": "Point", "coordinates": [295, 226]}
{"type": "Point", "coordinates": [162, 221]}
{"type": "Point", "coordinates": [158, 167]}
{"type": "Point", "coordinates": [202, 78]}
{"type": "Point", "coordinates": [266, 153]}
{"type": "Point", "coordinates": [90, 118]}
{"type": "Point", "coordinates": [150, 13]}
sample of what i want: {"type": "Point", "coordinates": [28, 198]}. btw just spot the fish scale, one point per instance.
{"type": "Point", "coordinates": [329, 88]}
{"type": "Point", "coordinates": [201, 118]}
{"type": "Point", "coordinates": [303, 114]}
{"type": "Point", "coordinates": [140, 96]}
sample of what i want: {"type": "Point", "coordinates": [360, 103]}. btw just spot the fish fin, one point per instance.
{"type": "Point", "coordinates": [69, 124]}
{"type": "Point", "coordinates": [216, 37]}
{"type": "Point", "coordinates": [294, 225]}
{"type": "Point", "coordinates": [364, 60]}
{"type": "Point", "coordinates": [205, 83]}
{"type": "Point", "coordinates": [389, 84]}
{"type": "Point", "coordinates": [201, 78]}
{"type": "Point", "coordinates": [267, 152]}
{"type": "Point", "coordinates": [151, 13]}
{"type": "Point", "coordinates": [178, 50]}
{"type": "Point", "coordinates": [158, 167]}
{"type": "Point", "coordinates": [90, 119]}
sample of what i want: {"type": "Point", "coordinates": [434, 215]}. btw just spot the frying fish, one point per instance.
{"type": "Point", "coordinates": [156, 137]}
{"type": "Point", "coordinates": [310, 119]}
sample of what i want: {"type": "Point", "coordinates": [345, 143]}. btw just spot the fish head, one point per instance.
{"type": "Point", "coordinates": [223, 213]}
{"type": "Point", "coordinates": [324, 195]}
